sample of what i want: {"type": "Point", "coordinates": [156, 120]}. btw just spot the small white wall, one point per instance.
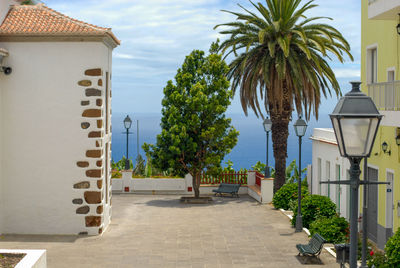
{"type": "Point", "coordinates": [42, 138]}
{"type": "Point", "coordinates": [267, 190]}
{"type": "Point", "coordinates": [324, 147]}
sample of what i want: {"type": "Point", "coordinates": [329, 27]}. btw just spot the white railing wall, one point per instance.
{"type": "Point", "coordinates": [385, 95]}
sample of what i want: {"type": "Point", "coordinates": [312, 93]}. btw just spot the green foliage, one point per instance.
{"type": "Point", "coordinates": [286, 194]}
{"type": "Point", "coordinates": [378, 260]}
{"type": "Point", "coordinates": [280, 59]}
{"type": "Point", "coordinates": [313, 207]}
{"type": "Point", "coordinates": [392, 250]}
{"type": "Point", "coordinates": [334, 230]}
{"type": "Point", "coordinates": [139, 166]}
{"type": "Point", "coordinates": [120, 165]}
{"type": "Point", "coordinates": [259, 167]}
{"type": "Point", "coordinates": [28, 2]}
{"type": "Point", "coordinates": [292, 172]}
{"type": "Point", "coordinates": [195, 133]}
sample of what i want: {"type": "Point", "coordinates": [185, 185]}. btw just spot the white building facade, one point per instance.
{"type": "Point", "coordinates": [328, 165]}
{"type": "Point", "coordinates": [55, 118]}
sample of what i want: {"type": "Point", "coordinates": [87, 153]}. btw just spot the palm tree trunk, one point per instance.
{"type": "Point", "coordinates": [280, 134]}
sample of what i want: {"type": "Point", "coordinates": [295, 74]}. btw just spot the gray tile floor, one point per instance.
{"type": "Point", "coordinates": [159, 231]}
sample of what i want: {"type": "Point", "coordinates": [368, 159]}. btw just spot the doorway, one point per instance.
{"type": "Point", "coordinates": [373, 205]}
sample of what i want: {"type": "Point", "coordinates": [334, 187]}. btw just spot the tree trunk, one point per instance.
{"type": "Point", "coordinates": [280, 134]}
{"type": "Point", "coordinates": [196, 184]}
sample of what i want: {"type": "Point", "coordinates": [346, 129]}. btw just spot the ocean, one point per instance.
{"type": "Point", "coordinates": [251, 146]}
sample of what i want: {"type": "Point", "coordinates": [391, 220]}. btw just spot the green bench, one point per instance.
{"type": "Point", "coordinates": [313, 248]}
{"type": "Point", "coordinates": [226, 188]}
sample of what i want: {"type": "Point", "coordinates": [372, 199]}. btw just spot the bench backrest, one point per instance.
{"type": "Point", "coordinates": [316, 242]}
{"type": "Point", "coordinates": [230, 187]}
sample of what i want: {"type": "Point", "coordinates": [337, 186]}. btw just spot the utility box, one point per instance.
{"type": "Point", "coordinates": [342, 253]}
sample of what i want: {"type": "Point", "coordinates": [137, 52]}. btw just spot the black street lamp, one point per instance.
{"type": "Point", "coordinates": [300, 127]}
{"type": "Point", "coordinates": [355, 121]}
{"type": "Point", "coordinates": [127, 124]}
{"type": "Point", "coordinates": [267, 127]}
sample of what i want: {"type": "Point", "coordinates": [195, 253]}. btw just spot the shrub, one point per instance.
{"type": "Point", "coordinates": [287, 193]}
{"type": "Point", "coordinates": [378, 260]}
{"type": "Point", "coordinates": [334, 229]}
{"type": "Point", "coordinates": [313, 207]}
{"type": "Point", "coordinates": [392, 250]}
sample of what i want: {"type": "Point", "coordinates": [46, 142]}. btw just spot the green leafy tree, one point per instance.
{"type": "Point", "coordinates": [280, 58]}
{"type": "Point", "coordinates": [139, 166]}
{"type": "Point", "coordinates": [195, 133]}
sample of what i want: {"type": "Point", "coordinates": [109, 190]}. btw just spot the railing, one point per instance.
{"type": "Point", "coordinates": [259, 176]}
{"type": "Point", "coordinates": [232, 178]}
{"type": "Point", "coordinates": [385, 95]}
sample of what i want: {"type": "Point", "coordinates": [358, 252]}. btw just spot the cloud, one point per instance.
{"type": "Point", "coordinates": [346, 73]}
{"type": "Point", "coordinates": [123, 56]}
{"type": "Point", "coordinates": [156, 36]}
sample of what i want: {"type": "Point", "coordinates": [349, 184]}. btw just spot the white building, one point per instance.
{"type": "Point", "coordinates": [328, 165]}
{"type": "Point", "coordinates": [55, 120]}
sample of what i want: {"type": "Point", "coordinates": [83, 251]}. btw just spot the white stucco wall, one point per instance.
{"type": "Point", "coordinates": [4, 7]}
{"type": "Point", "coordinates": [42, 138]}
{"type": "Point", "coordinates": [324, 147]}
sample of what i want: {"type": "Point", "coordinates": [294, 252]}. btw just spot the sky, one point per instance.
{"type": "Point", "coordinates": [156, 35]}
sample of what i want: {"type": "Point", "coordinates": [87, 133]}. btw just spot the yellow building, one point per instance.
{"type": "Point", "coordinates": [380, 59]}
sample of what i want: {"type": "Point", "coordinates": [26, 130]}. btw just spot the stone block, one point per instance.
{"type": "Point", "coordinates": [93, 221]}
{"type": "Point", "coordinates": [99, 184]}
{"type": "Point", "coordinates": [77, 201]}
{"type": "Point", "coordinates": [100, 82]}
{"type": "Point", "coordinates": [94, 134]}
{"type": "Point", "coordinates": [99, 209]}
{"type": "Point", "coordinates": [90, 92]}
{"type": "Point", "coordinates": [82, 164]}
{"type": "Point", "coordinates": [93, 153]}
{"type": "Point", "coordinates": [85, 125]}
{"type": "Point", "coordinates": [83, 210]}
{"type": "Point", "coordinates": [99, 123]}
{"type": "Point", "coordinates": [82, 185]}
{"type": "Point", "coordinates": [92, 197]}
{"type": "Point", "coordinates": [94, 72]}
{"type": "Point", "coordinates": [99, 102]}
{"type": "Point", "coordinates": [99, 163]}
{"type": "Point", "coordinates": [93, 173]}
{"type": "Point", "coordinates": [85, 103]}
{"type": "Point", "coordinates": [85, 83]}
{"type": "Point", "coordinates": [92, 113]}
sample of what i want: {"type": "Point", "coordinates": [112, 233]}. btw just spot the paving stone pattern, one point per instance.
{"type": "Point", "coordinates": [159, 231]}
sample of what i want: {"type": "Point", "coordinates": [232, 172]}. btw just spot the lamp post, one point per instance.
{"type": "Point", "coordinates": [355, 121]}
{"type": "Point", "coordinates": [267, 127]}
{"type": "Point", "coordinates": [127, 124]}
{"type": "Point", "coordinates": [300, 127]}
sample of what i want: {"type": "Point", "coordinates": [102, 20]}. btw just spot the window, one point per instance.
{"type": "Point", "coordinates": [328, 178]}
{"type": "Point", "coordinates": [372, 65]}
{"type": "Point", "coordinates": [319, 170]}
{"type": "Point", "coordinates": [338, 189]}
{"type": "Point", "coordinates": [391, 75]}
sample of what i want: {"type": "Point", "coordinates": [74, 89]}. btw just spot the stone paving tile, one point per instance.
{"type": "Point", "coordinates": [158, 231]}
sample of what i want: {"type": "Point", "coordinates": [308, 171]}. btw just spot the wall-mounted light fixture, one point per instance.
{"type": "Point", "coordinates": [398, 140]}
{"type": "Point", "coordinates": [398, 26]}
{"type": "Point", "coordinates": [6, 70]}
{"type": "Point", "coordinates": [385, 148]}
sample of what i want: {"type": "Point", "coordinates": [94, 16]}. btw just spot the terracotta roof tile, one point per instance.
{"type": "Point", "coordinates": [41, 20]}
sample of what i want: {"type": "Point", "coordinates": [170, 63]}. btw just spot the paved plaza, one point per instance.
{"type": "Point", "coordinates": [159, 231]}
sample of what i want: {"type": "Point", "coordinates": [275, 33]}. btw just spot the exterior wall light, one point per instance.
{"type": "Point", "coordinates": [385, 148]}
{"type": "Point", "coordinates": [398, 140]}
{"type": "Point", "coordinates": [398, 26]}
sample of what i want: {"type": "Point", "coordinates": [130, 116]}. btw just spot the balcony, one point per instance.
{"type": "Point", "coordinates": [383, 9]}
{"type": "Point", "coordinates": [385, 95]}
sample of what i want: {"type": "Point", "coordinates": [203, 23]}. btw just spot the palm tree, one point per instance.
{"type": "Point", "coordinates": [280, 59]}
